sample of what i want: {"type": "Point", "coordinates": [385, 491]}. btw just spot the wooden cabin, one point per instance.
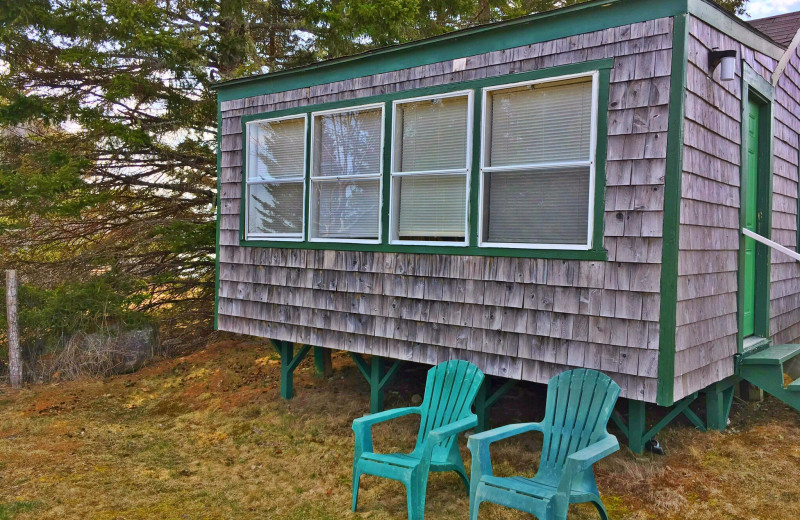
{"type": "Point", "coordinates": [567, 189]}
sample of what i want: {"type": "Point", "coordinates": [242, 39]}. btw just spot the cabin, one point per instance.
{"type": "Point", "coordinates": [610, 185]}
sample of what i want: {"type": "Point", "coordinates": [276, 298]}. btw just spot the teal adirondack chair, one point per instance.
{"type": "Point", "coordinates": [579, 405]}
{"type": "Point", "coordinates": [444, 413]}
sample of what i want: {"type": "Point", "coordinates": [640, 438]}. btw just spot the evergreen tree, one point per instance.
{"type": "Point", "coordinates": [107, 126]}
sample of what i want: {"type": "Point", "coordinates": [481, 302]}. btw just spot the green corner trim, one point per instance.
{"type": "Point", "coordinates": [568, 21]}
{"type": "Point", "coordinates": [672, 210]}
{"type": "Point", "coordinates": [218, 201]}
{"type": "Point", "coordinates": [595, 253]}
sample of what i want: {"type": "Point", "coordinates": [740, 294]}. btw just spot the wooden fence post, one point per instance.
{"type": "Point", "coordinates": [14, 355]}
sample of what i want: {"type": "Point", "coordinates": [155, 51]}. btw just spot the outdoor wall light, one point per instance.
{"type": "Point", "coordinates": [728, 61]}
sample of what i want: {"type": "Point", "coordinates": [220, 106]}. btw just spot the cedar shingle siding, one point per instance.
{"type": "Point", "coordinates": [518, 318]}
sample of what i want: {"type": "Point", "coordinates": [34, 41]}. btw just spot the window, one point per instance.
{"type": "Point", "coordinates": [430, 169]}
{"type": "Point", "coordinates": [275, 178]}
{"type": "Point", "coordinates": [346, 167]}
{"type": "Point", "coordinates": [537, 175]}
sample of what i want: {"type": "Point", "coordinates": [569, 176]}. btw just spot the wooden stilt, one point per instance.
{"type": "Point", "coordinates": [289, 363]}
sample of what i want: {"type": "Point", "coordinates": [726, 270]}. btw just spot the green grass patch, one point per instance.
{"type": "Point", "coordinates": [10, 510]}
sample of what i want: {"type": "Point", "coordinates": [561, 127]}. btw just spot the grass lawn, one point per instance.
{"type": "Point", "coordinates": [207, 436]}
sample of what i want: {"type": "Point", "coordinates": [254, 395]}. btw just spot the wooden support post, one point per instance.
{"type": "Point", "coordinates": [377, 376]}
{"type": "Point", "coordinates": [322, 362]}
{"type": "Point", "coordinates": [14, 354]}
{"type": "Point", "coordinates": [636, 425]}
{"type": "Point", "coordinates": [486, 399]}
{"type": "Point", "coordinates": [289, 363]}
{"type": "Point", "coordinates": [719, 398]}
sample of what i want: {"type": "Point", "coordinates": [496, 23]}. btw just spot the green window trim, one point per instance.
{"type": "Point", "coordinates": [596, 252]}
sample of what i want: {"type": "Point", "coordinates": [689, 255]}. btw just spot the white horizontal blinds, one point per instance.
{"type": "Point", "coordinates": [432, 135]}
{"type": "Point", "coordinates": [276, 149]}
{"type": "Point", "coordinates": [430, 169]}
{"type": "Point", "coordinates": [538, 164]}
{"type": "Point", "coordinates": [346, 209]}
{"type": "Point", "coordinates": [541, 123]}
{"type": "Point", "coordinates": [432, 206]}
{"type": "Point", "coordinates": [542, 207]}
{"type": "Point", "coordinates": [345, 181]}
{"type": "Point", "coordinates": [348, 143]}
{"type": "Point", "coordinates": [275, 208]}
{"type": "Point", "coordinates": [275, 177]}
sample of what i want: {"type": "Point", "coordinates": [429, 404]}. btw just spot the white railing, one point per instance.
{"type": "Point", "coordinates": [770, 243]}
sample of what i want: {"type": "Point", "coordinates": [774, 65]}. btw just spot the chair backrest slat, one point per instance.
{"type": "Point", "coordinates": [450, 389]}
{"type": "Point", "coordinates": [579, 406]}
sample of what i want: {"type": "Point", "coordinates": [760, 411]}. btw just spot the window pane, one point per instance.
{"type": "Point", "coordinates": [345, 209]}
{"type": "Point", "coordinates": [275, 208]}
{"type": "Point", "coordinates": [432, 135]}
{"type": "Point", "coordinates": [276, 149]}
{"type": "Point", "coordinates": [540, 123]}
{"type": "Point", "coordinates": [348, 143]}
{"type": "Point", "coordinates": [431, 206]}
{"type": "Point", "coordinates": [537, 207]}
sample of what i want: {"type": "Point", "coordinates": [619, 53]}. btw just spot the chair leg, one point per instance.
{"type": "Point", "coordinates": [356, 482]}
{"type": "Point", "coordinates": [415, 492]}
{"type": "Point", "coordinates": [474, 507]}
{"type": "Point", "coordinates": [600, 509]}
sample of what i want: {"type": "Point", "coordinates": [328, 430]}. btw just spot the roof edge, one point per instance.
{"type": "Point", "coordinates": [627, 11]}
{"type": "Point", "coordinates": [790, 53]}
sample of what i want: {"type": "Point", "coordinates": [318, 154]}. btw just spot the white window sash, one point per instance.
{"type": "Point", "coordinates": [394, 209]}
{"type": "Point", "coordinates": [591, 162]}
{"type": "Point", "coordinates": [289, 237]}
{"type": "Point", "coordinates": [337, 178]}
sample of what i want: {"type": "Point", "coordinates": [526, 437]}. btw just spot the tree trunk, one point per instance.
{"type": "Point", "coordinates": [14, 355]}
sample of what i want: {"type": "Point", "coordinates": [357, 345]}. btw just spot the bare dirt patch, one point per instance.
{"type": "Point", "coordinates": [207, 436]}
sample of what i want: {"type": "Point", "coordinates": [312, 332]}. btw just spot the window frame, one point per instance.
{"type": "Point", "coordinates": [465, 172]}
{"type": "Point", "coordinates": [519, 168]}
{"type": "Point", "coordinates": [311, 178]}
{"type": "Point", "coordinates": [246, 182]}
{"type": "Point", "coordinates": [596, 253]}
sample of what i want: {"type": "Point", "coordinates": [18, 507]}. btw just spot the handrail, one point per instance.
{"type": "Point", "coordinates": [770, 243]}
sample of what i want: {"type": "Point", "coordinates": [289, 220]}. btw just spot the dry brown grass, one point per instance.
{"type": "Point", "coordinates": [206, 436]}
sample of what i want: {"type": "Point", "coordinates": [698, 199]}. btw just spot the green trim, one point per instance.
{"type": "Point", "coordinates": [753, 85]}
{"type": "Point", "coordinates": [734, 27]}
{"type": "Point", "coordinates": [576, 19]}
{"type": "Point", "coordinates": [219, 217]}
{"type": "Point", "coordinates": [672, 210]}
{"type": "Point", "coordinates": [596, 253]}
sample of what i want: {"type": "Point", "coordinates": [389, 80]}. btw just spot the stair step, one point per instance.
{"type": "Point", "coordinates": [774, 355]}
{"type": "Point", "coordinates": [794, 386]}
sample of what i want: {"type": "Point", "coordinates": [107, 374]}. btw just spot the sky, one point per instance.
{"type": "Point", "coordinates": [764, 8]}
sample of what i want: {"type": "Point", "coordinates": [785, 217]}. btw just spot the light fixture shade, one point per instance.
{"type": "Point", "coordinates": [726, 60]}
{"type": "Point", "coordinates": [727, 70]}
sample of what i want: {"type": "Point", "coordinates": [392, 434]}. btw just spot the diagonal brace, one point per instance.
{"type": "Point", "coordinates": [377, 376]}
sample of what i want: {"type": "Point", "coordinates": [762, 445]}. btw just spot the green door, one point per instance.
{"type": "Point", "coordinates": [750, 184]}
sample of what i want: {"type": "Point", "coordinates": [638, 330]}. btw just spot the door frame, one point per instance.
{"type": "Point", "coordinates": [761, 91]}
